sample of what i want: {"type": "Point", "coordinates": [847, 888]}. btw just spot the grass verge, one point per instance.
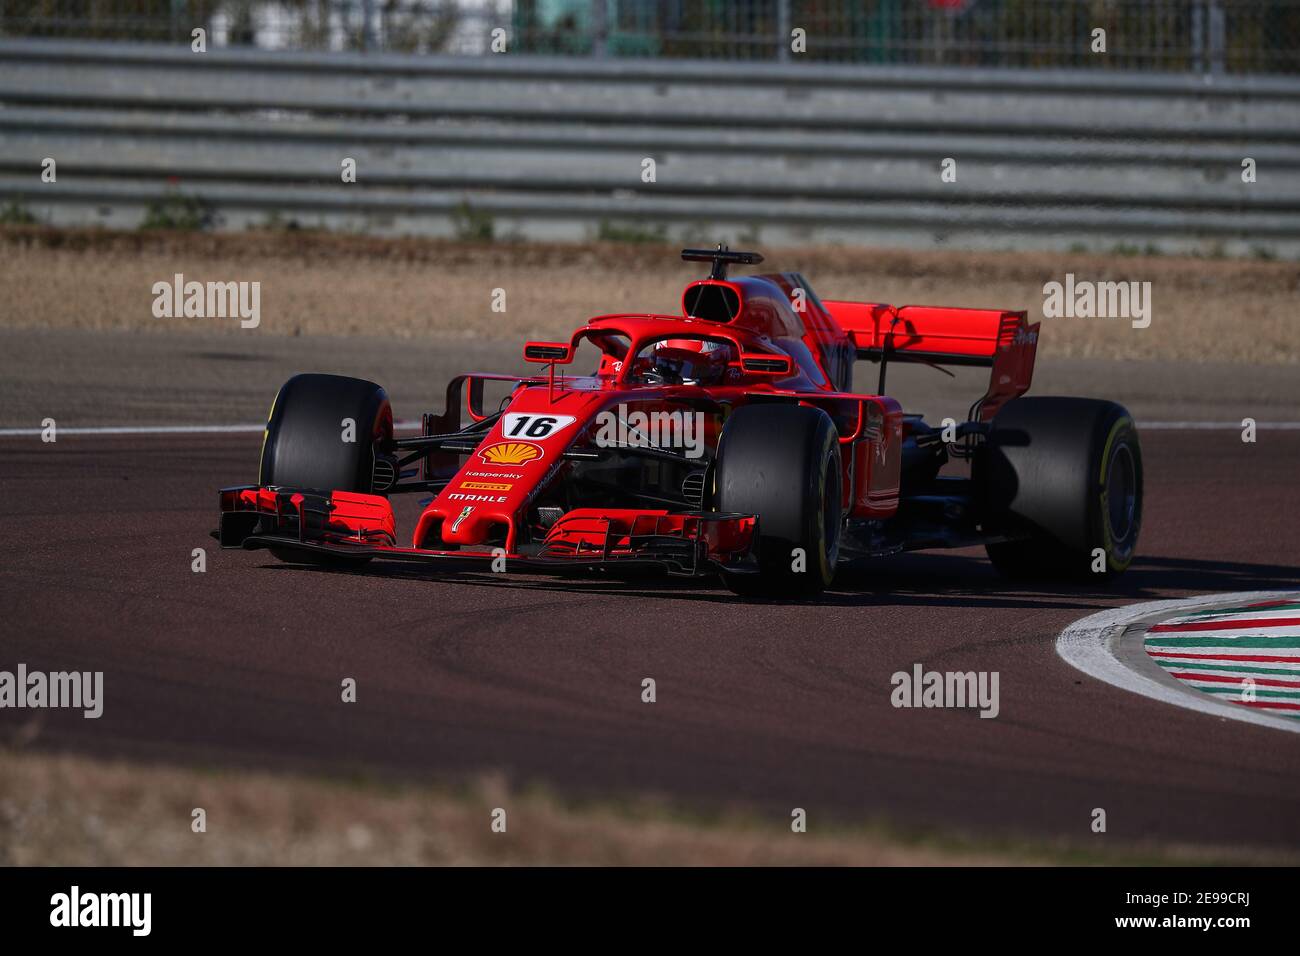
{"type": "Point", "coordinates": [68, 810]}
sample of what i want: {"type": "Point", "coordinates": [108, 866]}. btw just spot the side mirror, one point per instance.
{"type": "Point", "coordinates": [561, 353]}
{"type": "Point", "coordinates": [767, 364]}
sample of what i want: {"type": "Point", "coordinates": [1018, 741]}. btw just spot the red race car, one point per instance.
{"type": "Point", "coordinates": [726, 440]}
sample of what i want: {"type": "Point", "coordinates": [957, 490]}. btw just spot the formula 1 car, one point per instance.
{"type": "Point", "coordinates": [726, 440]}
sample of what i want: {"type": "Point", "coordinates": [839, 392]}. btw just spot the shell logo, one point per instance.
{"type": "Point", "coordinates": [511, 453]}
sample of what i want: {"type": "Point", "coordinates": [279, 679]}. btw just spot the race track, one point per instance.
{"type": "Point", "coordinates": [769, 706]}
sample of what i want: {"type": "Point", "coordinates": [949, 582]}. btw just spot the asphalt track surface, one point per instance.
{"type": "Point", "coordinates": [763, 705]}
{"type": "Point", "coordinates": [769, 704]}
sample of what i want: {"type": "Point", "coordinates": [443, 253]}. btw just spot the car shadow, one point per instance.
{"type": "Point", "coordinates": [971, 579]}
{"type": "Point", "coordinates": [922, 579]}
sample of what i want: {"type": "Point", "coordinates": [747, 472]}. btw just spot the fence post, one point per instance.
{"type": "Point", "coordinates": [783, 30]}
{"type": "Point", "coordinates": [599, 29]}
{"type": "Point", "coordinates": [1218, 40]}
{"type": "Point", "coordinates": [367, 28]}
{"type": "Point", "coordinates": [1197, 37]}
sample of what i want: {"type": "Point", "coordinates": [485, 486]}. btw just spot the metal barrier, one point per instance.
{"type": "Point", "coordinates": [510, 145]}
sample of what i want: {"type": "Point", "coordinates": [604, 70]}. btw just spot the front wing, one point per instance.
{"type": "Point", "coordinates": [353, 525]}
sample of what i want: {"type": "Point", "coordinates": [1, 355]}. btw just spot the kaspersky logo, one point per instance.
{"type": "Point", "coordinates": [464, 513]}
{"type": "Point", "coordinates": [511, 453]}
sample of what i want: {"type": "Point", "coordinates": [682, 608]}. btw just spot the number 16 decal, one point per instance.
{"type": "Point", "coordinates": [529, 425]}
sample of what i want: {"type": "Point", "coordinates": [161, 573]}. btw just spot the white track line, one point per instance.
{"type": "Point", "coordinates": [152, 430]}
{"type": "Point", "coordinates": [135, 430]}
{"type": "Point", "coordinates": [234, 429]}
{"type": "Point", "coordinates": [1089, 646]}
{"type": "Point", "coordinates": [1215, 426]}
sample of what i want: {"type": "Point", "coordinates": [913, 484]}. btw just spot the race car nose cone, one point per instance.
{"type": "Point", "coordinates": [465, 525]}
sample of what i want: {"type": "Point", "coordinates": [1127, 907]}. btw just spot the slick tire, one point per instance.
{"type": "Point", "coordinates": [782, 463]}
{"type": "Point", "coordinates": [305, 444]}
{"type": "Point", "coordinates": [1063, 476]}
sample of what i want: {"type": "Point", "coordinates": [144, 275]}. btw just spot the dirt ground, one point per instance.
{"type": "Point", "coordinates": [1202, 309]}
{"type": "Point", "coordinates": [62, 810]}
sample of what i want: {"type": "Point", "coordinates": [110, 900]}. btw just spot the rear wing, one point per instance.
{"type": "Point", "coordinates": [996, 339]}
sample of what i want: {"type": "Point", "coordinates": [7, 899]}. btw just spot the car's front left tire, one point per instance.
{"type": "Point", "coordinates": [782, 463]}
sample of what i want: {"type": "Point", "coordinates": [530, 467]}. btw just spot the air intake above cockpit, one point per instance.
{"type": "Point", "coordinates": [713, 302]}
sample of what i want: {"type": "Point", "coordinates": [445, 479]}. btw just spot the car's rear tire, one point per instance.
{"type": "Point", "coordinates": [1063, 475]}
{"type": "Point", "coordinates": [782, 463]}
{"type": "Point", "coordinates": [306, 443]}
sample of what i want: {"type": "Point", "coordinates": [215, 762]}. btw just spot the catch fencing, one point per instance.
{"type": "Point", "coordinates": [508, 145]}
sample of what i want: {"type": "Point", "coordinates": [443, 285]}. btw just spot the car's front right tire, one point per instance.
{"type": "Point", "coordinates": [324, 434]}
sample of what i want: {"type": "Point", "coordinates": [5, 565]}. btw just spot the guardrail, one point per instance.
{"type": "Point", "coordinates": [534, 146]}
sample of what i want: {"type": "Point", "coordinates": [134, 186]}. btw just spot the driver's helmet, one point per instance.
{"type": "Point", "coordinates": [688, 362]}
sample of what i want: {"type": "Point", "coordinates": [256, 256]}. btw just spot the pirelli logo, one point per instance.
{"type": "Point", "coordinates": [486, 485]}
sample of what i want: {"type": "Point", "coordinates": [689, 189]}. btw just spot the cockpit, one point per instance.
{"type": "Point", "coordinates": [684, 361]}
